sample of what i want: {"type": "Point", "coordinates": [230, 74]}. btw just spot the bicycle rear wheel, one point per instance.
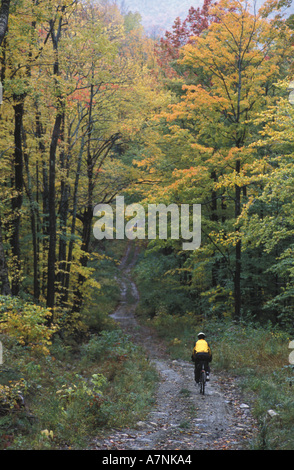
{"type": "Point", "coordinates": [202, 381]}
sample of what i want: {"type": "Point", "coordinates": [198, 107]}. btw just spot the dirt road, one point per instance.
{"type": "Point", "coordinates": [182, 419]}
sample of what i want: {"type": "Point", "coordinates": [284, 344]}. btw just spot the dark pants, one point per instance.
{"type": "Point", "coordinates": [201, 358]}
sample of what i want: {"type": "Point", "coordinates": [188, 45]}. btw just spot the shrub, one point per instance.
{"type": "Point", "coordinates": [109, 344]}
{"type": "Point", "coordinates": [27, 323]}
{"type": "Point", "coordinates": [11, 396]}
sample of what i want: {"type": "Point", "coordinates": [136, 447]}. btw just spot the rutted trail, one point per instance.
{"type": "Point", "coordinates": [182, 419]}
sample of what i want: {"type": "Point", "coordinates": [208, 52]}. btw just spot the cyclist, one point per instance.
{"type": "Point", "coordinates": [201, 354]}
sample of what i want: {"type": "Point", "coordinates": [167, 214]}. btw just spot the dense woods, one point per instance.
{"type": "Point", "coordinates": [73, 76]}
{"type": "Point", "coordinates": [93, 108]}
{"type": "Point", "coordinates": [220, 145]}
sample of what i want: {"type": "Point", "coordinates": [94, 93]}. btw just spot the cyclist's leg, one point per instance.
{"type": "Point", "coordinates": [197, 372]}
{"type": "Point", "coordinates": [207, 370]}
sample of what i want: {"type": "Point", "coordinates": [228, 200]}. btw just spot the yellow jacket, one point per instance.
{"type": "Point", "coordinates": [202, 346]}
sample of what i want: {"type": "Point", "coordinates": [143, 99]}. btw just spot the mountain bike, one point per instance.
{"type": "Point", "coordinates": [202, 379]}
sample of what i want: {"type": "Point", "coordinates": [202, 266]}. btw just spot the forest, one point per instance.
{"type": "Point", "coordinates": [91, 109]}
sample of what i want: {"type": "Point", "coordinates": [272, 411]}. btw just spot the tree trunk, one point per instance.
{"type": "Point", "coordinates": [73, 225]}
{"type": "Point", "coordinates": [4, 14]}
{"type": "Point", "coordinates": [63, 215]}
{"type": "Point", "coordinates": [237, 278]}
{"type": "Point", "coordinates": [16, 203]}
{"type": "Point", "coordinates": [33, 216]}
{"type": "Point", "coordinates": [4, 281]}
{"type": "Point", "coordinates": [45, 199]}
{"type": "Point", "coordinates": [83, 261]}
{"type": "Point", "coordinates": [52, 213]}
{"type": "Point", "coordinates": [52, 167]}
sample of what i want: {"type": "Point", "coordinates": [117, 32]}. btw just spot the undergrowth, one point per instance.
{"type": "Point", "coordinates": [64, 399]}
{"type": "Point", "coordinates": [81, 389]}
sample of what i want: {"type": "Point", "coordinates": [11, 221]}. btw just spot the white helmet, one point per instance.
{"type": "Point", "coordinates": [201, 334]}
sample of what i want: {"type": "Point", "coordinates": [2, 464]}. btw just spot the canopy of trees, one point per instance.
{"type": "Point", "coordinates": [92, 109]}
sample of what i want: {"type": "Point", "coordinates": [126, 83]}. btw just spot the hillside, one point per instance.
{"type": "Point", "coordinates": [159, 16]}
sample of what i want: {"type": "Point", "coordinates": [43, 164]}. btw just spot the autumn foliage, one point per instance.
{"type": "Point", "coordinates": [229, 73]}
{"type": "Point", "coordinates": [78, 88]}
{"type": "Point", "coordinates": [93, 109]}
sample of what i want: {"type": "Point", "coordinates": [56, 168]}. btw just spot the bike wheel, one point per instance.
{"type": "Point", "coordinates": [202, 382]}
